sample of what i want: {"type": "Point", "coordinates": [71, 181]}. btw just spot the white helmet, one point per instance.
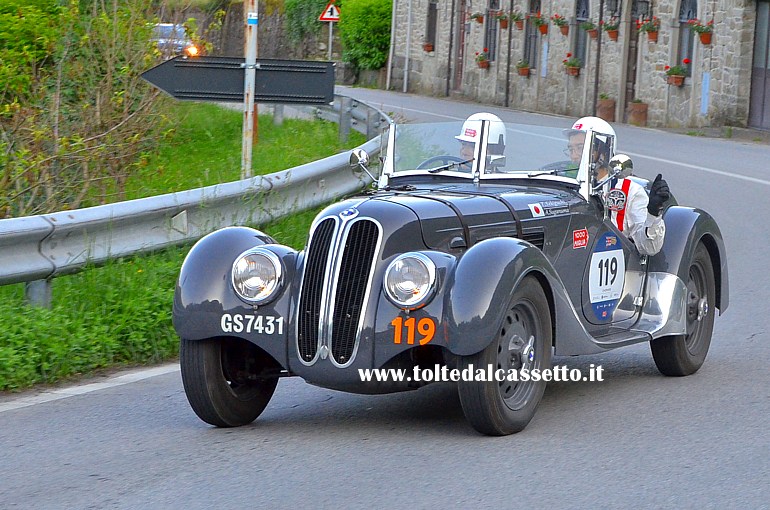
{"type": "Point", "coordinates": [472, 129]}
{"type": "Point", "coordinates": [594, 124]}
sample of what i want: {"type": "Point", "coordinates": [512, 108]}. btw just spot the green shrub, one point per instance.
{"type": "Point", "coordinates": [301, 18]}
{"type": "Point", "coordinates": [365, 32]}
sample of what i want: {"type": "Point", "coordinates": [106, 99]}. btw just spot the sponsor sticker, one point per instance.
{"type": "Point", "coordinates": [616, 200]}
{"type": "Point", "coordinates": [579, 238]}
{"type": "Point", "coordinates": [470, 132]}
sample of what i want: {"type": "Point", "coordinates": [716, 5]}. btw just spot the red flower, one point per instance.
{"type": "Point", "coordinates": [665, 68]}
{"type": "Point", "coordinates": [569, 55]}
{"type": "Point", "coordinates": [686, 61]}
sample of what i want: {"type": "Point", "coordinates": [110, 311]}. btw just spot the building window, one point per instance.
{"type": "Point", "coordinates": [430, 27]}
{"type": "Point", "coordinates": [532, 36]}
{"type": "Point", "coordinates": [580, 42]}
{"type": "Point", "coordinates": [687, 11]}
{"type": "Point", "coordinates": [490, 32]}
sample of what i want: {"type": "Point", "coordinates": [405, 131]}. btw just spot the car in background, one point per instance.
{"type": "Point", "coordinates": [172, 40]}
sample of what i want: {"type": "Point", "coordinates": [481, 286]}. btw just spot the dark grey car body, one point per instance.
{"type": "Point", "coordinates": [484, 236]}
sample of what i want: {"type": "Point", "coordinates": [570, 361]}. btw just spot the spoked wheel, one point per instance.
{"type": "Point", "coordinates": [523, 344]}
{"type": "Point", "coordinates": [222, 380]}
{"type": "Point", "coordinates": [680, 355]}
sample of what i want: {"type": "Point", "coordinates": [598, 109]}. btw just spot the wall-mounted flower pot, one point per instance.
{"type": "Point", "coordinates": [705, 37]}
{"type": "Point", "coordinates": [504, 24]}
{"type": "Point", "coordinates": [543, 29]}
{"type": "Point", "coordinates": [637, 113]}
{"type": "Point", "coordinates": [484, 64]}
{"type": "Point", "coordinates": [523, 71]}
{"type": "Point", "coordinates": [593, 33]}
{"type": "Point", "coordinates": [572, 70]}
{"type": "Point", "coordinates": [479, 19]}
{"type": "Point", "coordinates": [675, 80]}
{"type": "Point", "coordinates": [427, 47]}
{"type": "Point", "coordinates": [605, 109]}
{"type": "Point", "coordinates": [519, 24]}
{"type": "Point", "coordinates": [652, 36]}
{"type": "Point", "coordinates": [613, 35]}
{"type": "Point", "coordinates": [564, 29]}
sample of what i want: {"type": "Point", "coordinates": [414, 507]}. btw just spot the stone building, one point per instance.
{"type": "Point", "coordinates": [437, 44]}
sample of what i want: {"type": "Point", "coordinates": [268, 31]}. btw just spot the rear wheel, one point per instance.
{"type": "Point", "coordinates": [680, 355]}
{"type": "Point", "coordinates": [522, 343]}
{"type": "Point", "coordinates": [222, 380]}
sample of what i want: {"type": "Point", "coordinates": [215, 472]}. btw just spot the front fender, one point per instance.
{"type": "Point", "coordinates": [685, 228]}
{"type": "Point", "coordinates": [205, 304]}
{"type": "Point", "coordinates": [481, 288]}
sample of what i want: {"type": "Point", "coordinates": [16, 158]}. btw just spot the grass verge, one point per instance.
{"type": "Point", "coordinates": [120, 314]}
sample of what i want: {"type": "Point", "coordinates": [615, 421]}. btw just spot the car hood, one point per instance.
{"type": "Point", "coordinates": [449, 216]}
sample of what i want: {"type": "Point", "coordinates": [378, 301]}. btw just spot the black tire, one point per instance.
{"type": "Point", "coordinates": [501, 408]}
{"type": "Point", "coordinates": [219, 378]}
{"type": "Point", "coordinates": [681, 355]}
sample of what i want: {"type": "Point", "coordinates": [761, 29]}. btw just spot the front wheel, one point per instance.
{"type": "Point", "coordinates": [522, 346]}
{"type": "Point", "coordinates": [222, 380]}
{"type": "Point", "coordinates": [679, 355]}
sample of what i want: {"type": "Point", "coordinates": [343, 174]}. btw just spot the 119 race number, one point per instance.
{"type": "Point", "coordinates": [406, 329]}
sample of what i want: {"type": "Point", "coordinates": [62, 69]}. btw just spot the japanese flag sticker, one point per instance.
{"type": "Point", "coordinates": [537, 210]}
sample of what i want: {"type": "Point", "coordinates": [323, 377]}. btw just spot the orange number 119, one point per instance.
{"type": "Point", "coordinates": [426, 327]}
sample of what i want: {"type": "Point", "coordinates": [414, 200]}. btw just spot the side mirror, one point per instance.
{"type": "Point", "coordinates": [359, 157]}
{"type": "Point", "coordinates": [621, 166]}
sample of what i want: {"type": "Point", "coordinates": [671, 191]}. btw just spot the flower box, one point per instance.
{"type": "Point", "coordinates": [572, 70]}
{"type": "Point", "coordinates": [705, 38]}
{"type": "Point", "coordinates": [676, 80]}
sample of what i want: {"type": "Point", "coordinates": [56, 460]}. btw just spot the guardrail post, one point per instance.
{"type": "Point", "coordinates": [345, 118]}
{"type": "Point", "coordinates": [278, 115]}
{"type": "Point", "coordinates": [38, 293]}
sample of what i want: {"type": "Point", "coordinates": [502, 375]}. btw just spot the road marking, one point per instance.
{"type": "Point", "coordinates": [704, 169]}
{"type": "Point", "coordinates": [653, 158]}
{"type": "Point", "coordinates": [82, 389]}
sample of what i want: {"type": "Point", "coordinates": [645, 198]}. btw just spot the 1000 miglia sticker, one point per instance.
{"type": "Point", "coordinates": [606, 276]}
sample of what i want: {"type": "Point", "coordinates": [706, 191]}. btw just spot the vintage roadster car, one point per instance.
{"type": "Point", "coordinates": [489, 255]}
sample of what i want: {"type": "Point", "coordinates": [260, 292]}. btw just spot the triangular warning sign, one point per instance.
{"type": "Point", "coordinates": [331, 13]}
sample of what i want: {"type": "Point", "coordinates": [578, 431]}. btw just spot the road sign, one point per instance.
{"type": "Point", "coordinates": [331, 13]}
{"type": "Point", "coordinates": [213, 78]}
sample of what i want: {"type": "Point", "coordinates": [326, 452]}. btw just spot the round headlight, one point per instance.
{"type": "Point", "coordinates": [257, 275]}
{"type": "Point", "coordinates": [409, 280]}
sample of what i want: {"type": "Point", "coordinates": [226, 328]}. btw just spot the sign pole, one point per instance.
{"type": "Point", "coordinates": [249, 86]}
{"type": "Point", "coordinates": [331, 24]}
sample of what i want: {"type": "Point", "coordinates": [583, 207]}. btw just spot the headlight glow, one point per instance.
{"type": "Point", "coordinates": [257, 275]}
{"type": "Point", "coordinates": [409, 280]}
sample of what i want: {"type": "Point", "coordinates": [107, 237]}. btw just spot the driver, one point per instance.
{"type": "Point", "coordinates": [471, 131]}
{"type": "Point", "coordinates": [632, 211]}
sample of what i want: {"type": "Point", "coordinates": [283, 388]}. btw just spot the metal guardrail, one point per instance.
{"type": "Point", "coordinates": [36, 248]}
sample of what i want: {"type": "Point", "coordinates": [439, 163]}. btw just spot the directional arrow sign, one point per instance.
{"type": "Point", "coordinates": [331, 13]}
{"type": "Point", "coordinates": [221, 79]}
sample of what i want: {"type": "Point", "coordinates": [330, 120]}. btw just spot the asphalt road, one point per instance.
{"type": "Point", "coordinates": [636, 440]}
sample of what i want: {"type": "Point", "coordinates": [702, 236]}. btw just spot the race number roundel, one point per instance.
{"type": "Point", "coordinates": [606, 276]}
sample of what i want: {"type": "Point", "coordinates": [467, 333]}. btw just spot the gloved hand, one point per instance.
{"type": "Point", "coordinates": [659, 193]}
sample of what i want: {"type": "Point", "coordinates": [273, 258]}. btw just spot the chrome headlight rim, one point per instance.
{"type": "Point", "coordinates": [277, 264]}
{"type": "Point", "coordinates": [424, 299]}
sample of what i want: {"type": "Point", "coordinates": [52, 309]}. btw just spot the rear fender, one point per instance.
{"type": "Point", "coordinates": [685, 228]}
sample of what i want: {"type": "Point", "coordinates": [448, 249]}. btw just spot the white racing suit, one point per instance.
{"type": "Point", "coordinates": [627, 202]}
